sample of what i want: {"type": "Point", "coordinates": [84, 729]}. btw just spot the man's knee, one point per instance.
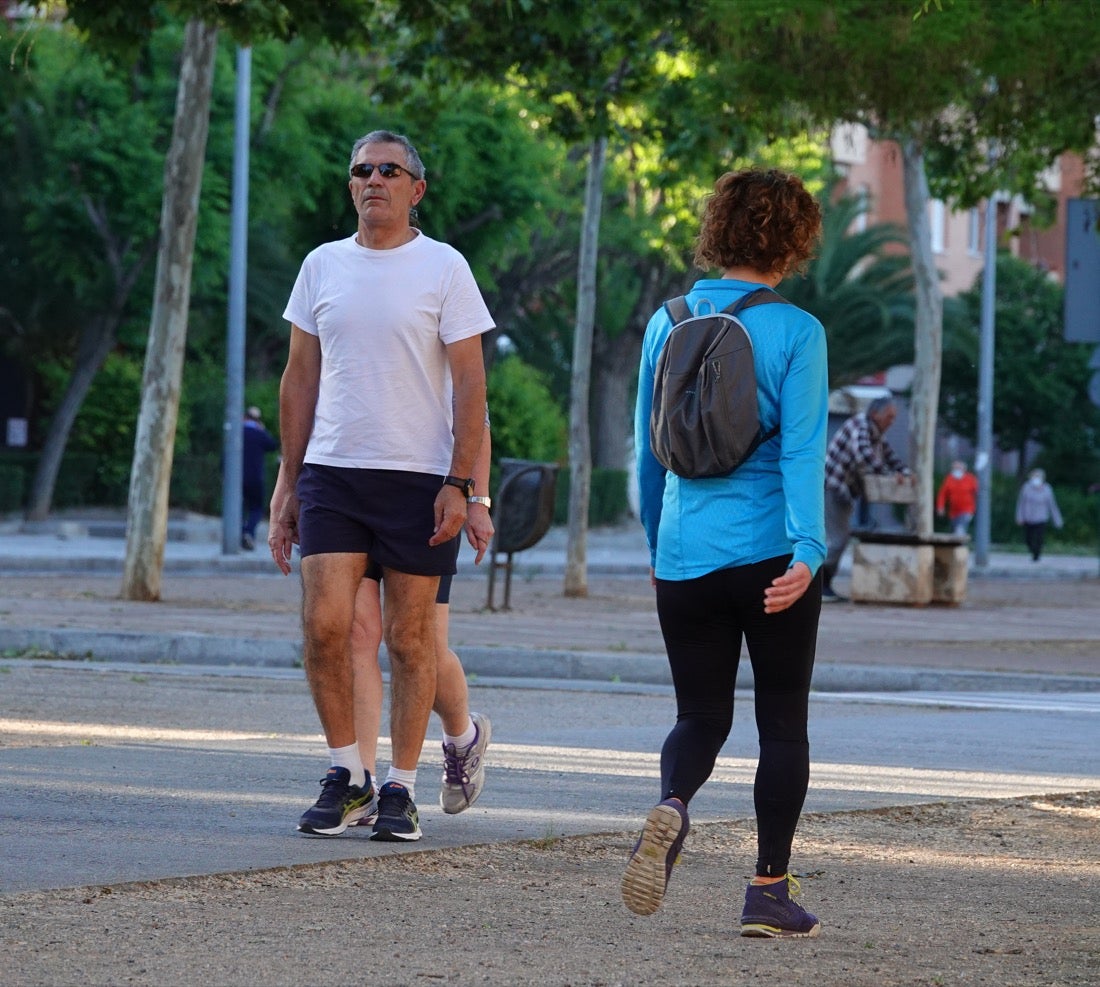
{"type": "Point", "coordinates": [409, 618]}
{"type": "Point", "coordinates": [409, 642]}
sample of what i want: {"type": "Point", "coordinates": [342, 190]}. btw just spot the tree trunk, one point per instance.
{"type": "Point", "coordinates": [616, 364]}
{"type": "Point", "coordinates": [928, 335]}
{"type": "Point", "coordinates": [580, 454]}
{"type": "Point", "coordinates": [147, 523]}
{"type": "Point", "coordinates": [96, 340]}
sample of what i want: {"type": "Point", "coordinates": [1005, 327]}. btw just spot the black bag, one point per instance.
{"type": "Point", "coordinates": [705, 420]}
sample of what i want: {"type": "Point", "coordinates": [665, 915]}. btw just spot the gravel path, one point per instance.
{"type": "Point", "coordinates": [993, 892]}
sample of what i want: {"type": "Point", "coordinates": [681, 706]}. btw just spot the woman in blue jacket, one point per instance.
{"type": "Point", "coordinates": [736, 558]}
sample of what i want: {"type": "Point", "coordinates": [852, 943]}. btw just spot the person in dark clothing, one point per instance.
{"type": "Point", "coordinates": [257, 443]}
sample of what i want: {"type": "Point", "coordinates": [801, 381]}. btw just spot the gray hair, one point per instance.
{"type": "Point", "coordinates": [412, 160]}
{"type": "Point", "coordinates": [879, 404]}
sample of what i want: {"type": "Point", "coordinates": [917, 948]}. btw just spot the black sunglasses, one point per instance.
{"type": "Point", "coordinates": [386, 170]}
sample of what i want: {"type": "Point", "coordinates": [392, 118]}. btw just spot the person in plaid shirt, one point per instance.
{"type": "Point", "coordinates": [857, 447]}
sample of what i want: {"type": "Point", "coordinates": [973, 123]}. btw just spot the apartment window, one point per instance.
{"type": "Point", "coordinates": [974, 232]}
{"type": "Point", "coordinates": [862, 220]}
{"type": "Point", "coordinates": [938, 219]}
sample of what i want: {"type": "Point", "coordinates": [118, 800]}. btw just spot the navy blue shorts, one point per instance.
{"type": "Point", "coordinates": [388, 515]}
{"type": "Point", "coordinates": [443, 594]}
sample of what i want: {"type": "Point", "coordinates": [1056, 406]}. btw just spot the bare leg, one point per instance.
{"type": "Point", "coordinates": [409, 626]}
{"type": "Point", "coordinates": [329, 585]}
{"type": "Point", "coordinates": [366, 636]}
{"type": "Point", "coordinates": [452, 695]}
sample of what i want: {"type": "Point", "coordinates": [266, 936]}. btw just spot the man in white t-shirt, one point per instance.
{"type": "Point", "coordinates": [382, 410]}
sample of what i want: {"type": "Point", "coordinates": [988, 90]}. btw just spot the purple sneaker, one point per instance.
{"type": "Point", "coordinates": [653, 855]}
{"type": "Point", "coordinates": [464, 769]}
{"type": "Point", "coordinates": [769, 912]}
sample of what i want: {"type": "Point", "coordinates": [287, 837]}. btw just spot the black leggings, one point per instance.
{"type": "Point", "coordinates": [1033, 535]}
{"type": "Point", "coordinates": [703, 621]}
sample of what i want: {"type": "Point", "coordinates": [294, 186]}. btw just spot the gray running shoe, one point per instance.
{"type": "Point", "coordinates": [651, 860]}
{"type": "Point", "coordinates": [464, 769]}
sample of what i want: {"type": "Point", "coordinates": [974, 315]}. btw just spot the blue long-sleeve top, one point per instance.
{"type": "Point", "coordinates": [773, 503]}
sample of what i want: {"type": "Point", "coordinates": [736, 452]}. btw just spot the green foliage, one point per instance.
{"type": "Point", "coordinates": [1081, 513]}
{"type": "Point", "coordinates": [80, 225]}
{"type": "Point", "coordinates": [525, 419]}
{"type": "Point", "coordinates": [862, 295]}
{"type": "Point", "coordinates": [202, 407]}
{"type": "Point", "coordinates": [588, 63]}
{"type": "Point", "coordinates": [1021, 75]}
{"type": "Point", "coordinates": [1040, 380]}
{"type": "Point", "coordinates": [107, 421]}
{"type": "Point", "coordinates": [607, 502]}
{"type": "Point", "coordinates": [81, 203]}
{"type": "Point", "coordinates": [121, 29]}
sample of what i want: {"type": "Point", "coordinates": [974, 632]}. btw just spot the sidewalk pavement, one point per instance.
{"type": "Point", "coordinates": [1025, 626]}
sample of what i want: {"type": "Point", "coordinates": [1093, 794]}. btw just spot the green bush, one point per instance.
{"type": "Point", "coordinates": [607, 502]}
{"type": "Point", "coordinates": [15, 479]}
{"type": "Point", "coordinates": [100, 449]}
{"type": "Point", "coordinates": [526, 421]}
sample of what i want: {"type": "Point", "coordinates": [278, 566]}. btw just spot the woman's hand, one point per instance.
{"type": "Point", "coordinates": [786, 590]}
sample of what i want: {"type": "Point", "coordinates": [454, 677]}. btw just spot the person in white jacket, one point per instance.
{"type": "Point", "coordinates": [1035, 509]}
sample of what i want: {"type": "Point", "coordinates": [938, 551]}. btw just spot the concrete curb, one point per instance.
{"type": "Point", "coordinates": [153, 648]}
{"type": "Point", "coordinates": [207, 650]}
{"type": "Point", "coordinates": [527, 566]}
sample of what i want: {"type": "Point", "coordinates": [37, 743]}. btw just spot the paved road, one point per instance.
{"type": "Point", "coordinates": [122, 773]}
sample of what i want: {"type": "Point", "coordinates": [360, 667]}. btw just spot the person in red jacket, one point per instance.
{"type": "Point", "coordinates": [958, 497]}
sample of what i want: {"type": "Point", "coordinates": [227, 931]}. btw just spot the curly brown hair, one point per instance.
{"type": "Point", "coordinates": [765, 220]}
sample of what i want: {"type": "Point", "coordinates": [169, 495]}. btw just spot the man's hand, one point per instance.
{"type": "Point", "coordinates": [786, 590]}
{"type": "Point", "coordinates": [450, 514]}
{"type": "Point", "coordinates": [283, 534]}
{"type": "Point", "coordinates": [479, 529]}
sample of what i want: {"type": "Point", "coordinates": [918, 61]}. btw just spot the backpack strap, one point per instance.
{"type": "Point", "coordinates": [677, 309]}
{"type": "Point", "coordinates": [758, 296]}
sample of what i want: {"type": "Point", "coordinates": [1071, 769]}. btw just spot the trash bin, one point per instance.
{"type": "Point", "coordinates": [523, 510]}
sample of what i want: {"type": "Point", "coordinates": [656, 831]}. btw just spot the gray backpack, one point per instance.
{"type": "Point", "coordinates": [705, 420]}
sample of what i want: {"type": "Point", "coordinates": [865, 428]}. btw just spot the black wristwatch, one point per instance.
{"type": "Point", "coordinates": [465, 485]}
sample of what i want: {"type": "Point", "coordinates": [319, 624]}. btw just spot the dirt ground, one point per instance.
{"type": "Point", "coordinates": [994, 892]}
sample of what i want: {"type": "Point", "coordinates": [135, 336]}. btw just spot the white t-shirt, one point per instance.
{"type": "Point", "coordinates": [383, 318]}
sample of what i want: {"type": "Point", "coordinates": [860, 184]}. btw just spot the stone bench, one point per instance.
{"type": "Point", "coordinates": [899, 567]}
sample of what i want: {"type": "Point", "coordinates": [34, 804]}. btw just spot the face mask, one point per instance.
{"type": "Point", "coordinates": [957, 474]}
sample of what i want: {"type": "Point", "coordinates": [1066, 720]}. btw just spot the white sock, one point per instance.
{"type": "Point", "coordinates": [406, 778]}
{"type": "Point", "coordinates": [348, 757]}
{"type": "Point", "coordinates": [464, 739]}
